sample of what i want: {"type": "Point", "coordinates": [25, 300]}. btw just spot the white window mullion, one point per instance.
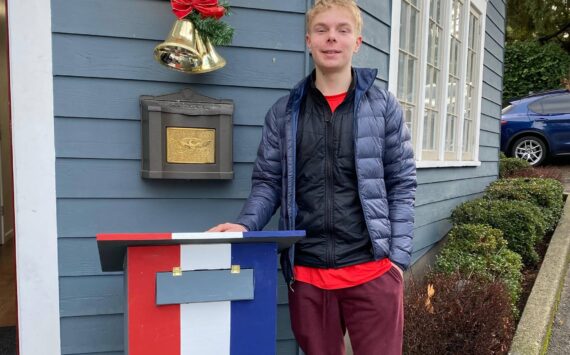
{"type": "Point", "coordinates": [424, 24]}
{"type": "Point", "coordinates": [462, 76]}
{"type": "Point", "coordinates": [445, 75]}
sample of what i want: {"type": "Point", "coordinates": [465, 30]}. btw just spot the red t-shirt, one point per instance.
{"type": "Point", "coordinates": [348, 276]}
{"type": "Point", "coordinates": [335, 100]}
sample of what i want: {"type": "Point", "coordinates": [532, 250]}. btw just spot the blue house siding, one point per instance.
{"type": "Point", "coordinates": [103, 62]}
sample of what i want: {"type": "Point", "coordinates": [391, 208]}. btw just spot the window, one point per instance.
{"type": "Point", "coordinates": [437, 76]}
{"type": "Point", "coordinates": [552, 105]}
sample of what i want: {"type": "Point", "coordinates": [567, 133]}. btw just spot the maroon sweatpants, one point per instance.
{"type": "Point", "coordinates": [372, 312]}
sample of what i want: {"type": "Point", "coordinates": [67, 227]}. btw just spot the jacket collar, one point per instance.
{"type": "Point", "coordinates": [363, 77]}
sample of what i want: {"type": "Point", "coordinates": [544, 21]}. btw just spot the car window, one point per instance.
{"type": "Point", "coordinates": [552, 105]}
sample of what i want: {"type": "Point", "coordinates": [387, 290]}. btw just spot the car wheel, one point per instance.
{"type": "Point", "coordinates": [531, 149]}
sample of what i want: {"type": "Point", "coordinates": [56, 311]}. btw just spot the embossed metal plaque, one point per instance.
{"type": "Point", "coordinates": [190, 145]}
{"type": "Point", "coordinates": [187, 136]}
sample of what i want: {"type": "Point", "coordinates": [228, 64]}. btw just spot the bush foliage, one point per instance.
{"type": "Point", "coordinates": [547, 194]}
{"type": "Point", "coordinates": [476, 249]}
{"type": "Point", "coordinates": [510, 166]}
{"type": "Point", "coordinates": [522, 223]}
{"type": "Point", "coordinates": [458, 315]}
{"type": "Point", "coordinates": [531, 67]}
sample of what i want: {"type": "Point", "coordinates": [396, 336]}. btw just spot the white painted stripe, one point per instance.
{"type": "Point", "coordinates": [205, 256]}
{"type": "Point", "coordinates": [205, 327]}
{"type": "Point", "coordinates": [208, 235]}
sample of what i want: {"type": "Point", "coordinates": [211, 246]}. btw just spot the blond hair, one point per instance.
{"type": "Point", "coordinates": [322, 5]}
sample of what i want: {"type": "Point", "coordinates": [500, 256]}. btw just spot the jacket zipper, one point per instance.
{"type": "Point", "coordinates": [329, 188]}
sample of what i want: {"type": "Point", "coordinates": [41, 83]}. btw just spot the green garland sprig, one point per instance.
{"type": "Point", "coordinates": [218, 32]}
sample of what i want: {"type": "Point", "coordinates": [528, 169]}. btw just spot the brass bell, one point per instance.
{"type": "Point", "coordinates": [185, 50]}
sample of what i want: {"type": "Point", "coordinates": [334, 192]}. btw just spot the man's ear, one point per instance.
{"type": "Point", "coordinates": [358, 44]}
{"type": "Point", "coordinates": [308, 41]}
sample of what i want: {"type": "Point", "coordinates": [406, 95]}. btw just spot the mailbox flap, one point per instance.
{"type": "Point", "coordinates": [204, 286]}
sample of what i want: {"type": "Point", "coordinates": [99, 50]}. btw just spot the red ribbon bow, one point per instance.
{"type": "Point", "coordinates": [206, 8]}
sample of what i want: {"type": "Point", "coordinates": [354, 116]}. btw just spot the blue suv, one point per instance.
{"type": "Point", "coordinates": [537, 126]}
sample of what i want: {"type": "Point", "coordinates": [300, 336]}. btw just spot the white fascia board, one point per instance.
{"type": "Point", "coordinates": [33, 149]}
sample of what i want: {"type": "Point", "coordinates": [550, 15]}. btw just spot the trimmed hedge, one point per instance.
{"type": "Point", "coordinates": [510, 166]}
{"type": "Point", "coordinates": [481, 250]}
{"type": "Point", "coordinates": [522, 222]}
{"type": "Point", "coordinates": [547, 194]}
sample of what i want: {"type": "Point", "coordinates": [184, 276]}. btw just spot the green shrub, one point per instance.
{"type": "Point", "coordinates": [531, 67]}
{"type": "Point", "coordinates": [510, 166]}
{"type": "Point", "coordinates": [481, 250]}
{"type": "Point", "coordinates": [547, 194]}
{"type": "Point", "coordinates": [521, 222]}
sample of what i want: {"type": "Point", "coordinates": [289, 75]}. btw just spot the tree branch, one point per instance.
{"type": "Point", "coordinates": [543, 39]}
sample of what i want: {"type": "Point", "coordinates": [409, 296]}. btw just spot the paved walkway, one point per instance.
{"type": "Point", "coordinates": [560, 339]}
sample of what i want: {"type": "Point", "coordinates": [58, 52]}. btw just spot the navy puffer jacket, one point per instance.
{"type": "Point", "coordinates": [385, 169]}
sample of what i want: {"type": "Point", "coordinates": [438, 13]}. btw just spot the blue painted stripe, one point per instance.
{"type": "Point", "coordinates": [276, 234]}
{"type": "Point", "coordinates": [253, 323]}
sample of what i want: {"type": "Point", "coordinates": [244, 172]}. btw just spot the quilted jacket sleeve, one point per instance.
{"type": "Point", "coordinates": [264, 198]}
{"type": "Point", "coordinates": [400, 179]}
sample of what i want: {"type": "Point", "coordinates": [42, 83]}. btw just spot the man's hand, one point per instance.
{"type": "Point", "coordinates": [228, 227]}
{"type": "Point", "coordinates": [399, 270]}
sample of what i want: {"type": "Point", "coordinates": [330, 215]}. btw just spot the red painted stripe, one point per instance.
{"type": "Point", "coordinates": [134, 236]}
{"type": "Point", "coordinates": [152, 329]}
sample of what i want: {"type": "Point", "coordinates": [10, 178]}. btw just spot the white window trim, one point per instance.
{"type": "Point", "coordinates": [33, 147]}
{"type": "Point", "coordinates": [481, 6]}
{"type": "Point", "coordinates": [445, 164]}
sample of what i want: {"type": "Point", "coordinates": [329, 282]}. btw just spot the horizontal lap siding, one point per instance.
{"type": "Point", "coordinates": [375, 49]}
{"type": "Point", "coordinates": [442, 189]}
{"type": "Point", "coordinates": [103, 62]}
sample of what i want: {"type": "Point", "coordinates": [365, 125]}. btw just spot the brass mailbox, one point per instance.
{"type": "Point", "coordinates": [186, 136]}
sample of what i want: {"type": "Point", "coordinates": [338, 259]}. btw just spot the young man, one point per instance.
{"type": "Point", "coordinates": [336, 156]}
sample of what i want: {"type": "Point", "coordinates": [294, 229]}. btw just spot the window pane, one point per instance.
{"type": "Point", "coordinates": [559, 104]}
{"type": "Point", "coordinates": [404, 24]}
{"type": "Point", "coordinates": [450, 133]}
{"type": "Point", "coordinates": [436, 46]}
{"type": "Point", "coordinates": [401, 75]}
{"type": "Point", "coordinates": [410, 86]}
{"type": "Point", "coordinates": [412, 33]}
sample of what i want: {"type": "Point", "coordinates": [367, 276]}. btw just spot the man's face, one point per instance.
{"type": "Point", "coordinates": [332, 39]}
